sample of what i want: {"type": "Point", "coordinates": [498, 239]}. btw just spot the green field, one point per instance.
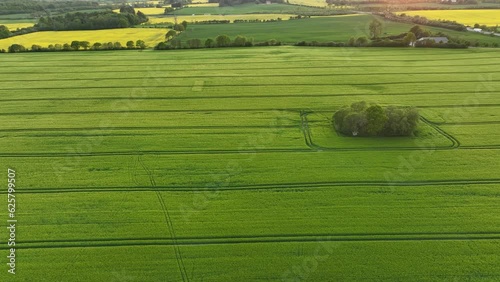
{"type": "Point", "coordinates": [219, 165]}
{"type": "Point", "coordinates": [323, 29]}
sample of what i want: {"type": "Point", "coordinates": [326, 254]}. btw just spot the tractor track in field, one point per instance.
{"type": "Point", "coordinates": [168, 220]}
{"type": "Point", "coordinates": [254, 62]}
{"type": "Point", "coordinates": [370, 55]}
{"type": "Point", "coordinates": [234, 96]}
{"type": "Point", "coordinates": [297, 110]}
{"type": "Point", "coordinates": [312, 149]}
{"type": "Point", "coordinates": [256, 239]}
{"type": "Point", "coordinates": [257, 236]}
{"type": "Point", "coordinates": [239, 76]}
{"type": "Point", "coordinates": [254, 187]}
{"type": "Point", "coordinates": [249, 85]}
{"type": "Point", "coordinates": [304, 126]}
{"type": "Point", "coordinates": [192, 127]}
{"type": "Point", "coordinates": [249, 69]}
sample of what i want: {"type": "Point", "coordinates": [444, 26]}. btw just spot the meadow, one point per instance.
{"type": "Point", "coordinates": [151, 36]}
{"type": "Point", "coordinates": [489, 17]}
{"type": "Point", "coordinates": [322, 28]}
{"type": "Point", "coordinates": [219, 165]}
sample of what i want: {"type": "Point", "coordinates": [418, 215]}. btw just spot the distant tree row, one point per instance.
{"type": "Point", "coordinates": [91, 21]}
{"type": "Point", "coordinates": [77, 46]}
{"type": "Point", "coordinates": [9, 7]}
{"type": "Point", "coordinates": [362, 119]}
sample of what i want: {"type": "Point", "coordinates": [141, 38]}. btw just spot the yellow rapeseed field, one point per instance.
{"type": "Point", "coordinates": [467, 17]}
{"type": "Point", "coordinates": [14, 26]}
{"type": "Point", "coordinates": [315, 3]}
{"type": "Point", "coordinates": [148, 11]}
{"type": "Point", "coordinates": [188, 18]}
{"type": "Point", "coordinates": [151, 36]}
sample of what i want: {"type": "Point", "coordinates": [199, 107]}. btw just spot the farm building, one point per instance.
{"type": "Point", "coordinates": [435, 39]}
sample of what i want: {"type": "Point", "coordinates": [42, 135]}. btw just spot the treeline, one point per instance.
{"type": "Point", "coordinates": [423, 21]}
{"type": "Point", "coordinates": [92, 21]}
{"type": "Point", "coordinates": [220, 41]}
{"type": "Point", "coordinates": [77, 46]}
{"type": "Point", "coordinates": [362, 119]}
{"type": "Point", "coordinates": [487, 28]}
{"type": "Point", "coordinates": [6, 33]}
{"type": "Point", "coordinates": [248, 21]}
{"type": "Point", "coordinates": [8, 7]}
{"type": "Point", "coordinates": [258, 21]}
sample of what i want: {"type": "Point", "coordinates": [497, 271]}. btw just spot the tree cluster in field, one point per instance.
{"type": "Point", "coordinates": [220, 41]}
{"type": "Point", "coordinates": [77, 46]}
{"type": "Point", "coordinates": [92, 21]}
{"type": "Point", "coordinates": [362, 119]}
{"type": "Point", "coordinates": [453, 25]}
{"type": "Point", "coordinates": [9, 7]}
{"type": "Point", "coordinates": [299, 17]}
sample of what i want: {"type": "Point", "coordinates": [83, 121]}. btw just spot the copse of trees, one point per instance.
{"type": "Point", "coordinates": [363, 119]}
{"type": "Point", "coordinates": [4, 32]}
{"type": "Point", "coordinates": [92, 21]}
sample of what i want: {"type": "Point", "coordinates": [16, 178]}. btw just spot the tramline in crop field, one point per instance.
{"type": "Point", "coordinates": [208, 165]}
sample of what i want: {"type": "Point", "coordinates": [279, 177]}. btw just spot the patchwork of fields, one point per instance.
{"type": "Point", "coordinates": [221, 165]}
{"type": "Point", "coordinates": [323, 29]}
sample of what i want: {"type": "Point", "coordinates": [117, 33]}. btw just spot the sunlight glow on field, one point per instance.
{"type": "Point", "coordinates": [151, 36]}
{"type": "Point", "coordinates": [467, 17]}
